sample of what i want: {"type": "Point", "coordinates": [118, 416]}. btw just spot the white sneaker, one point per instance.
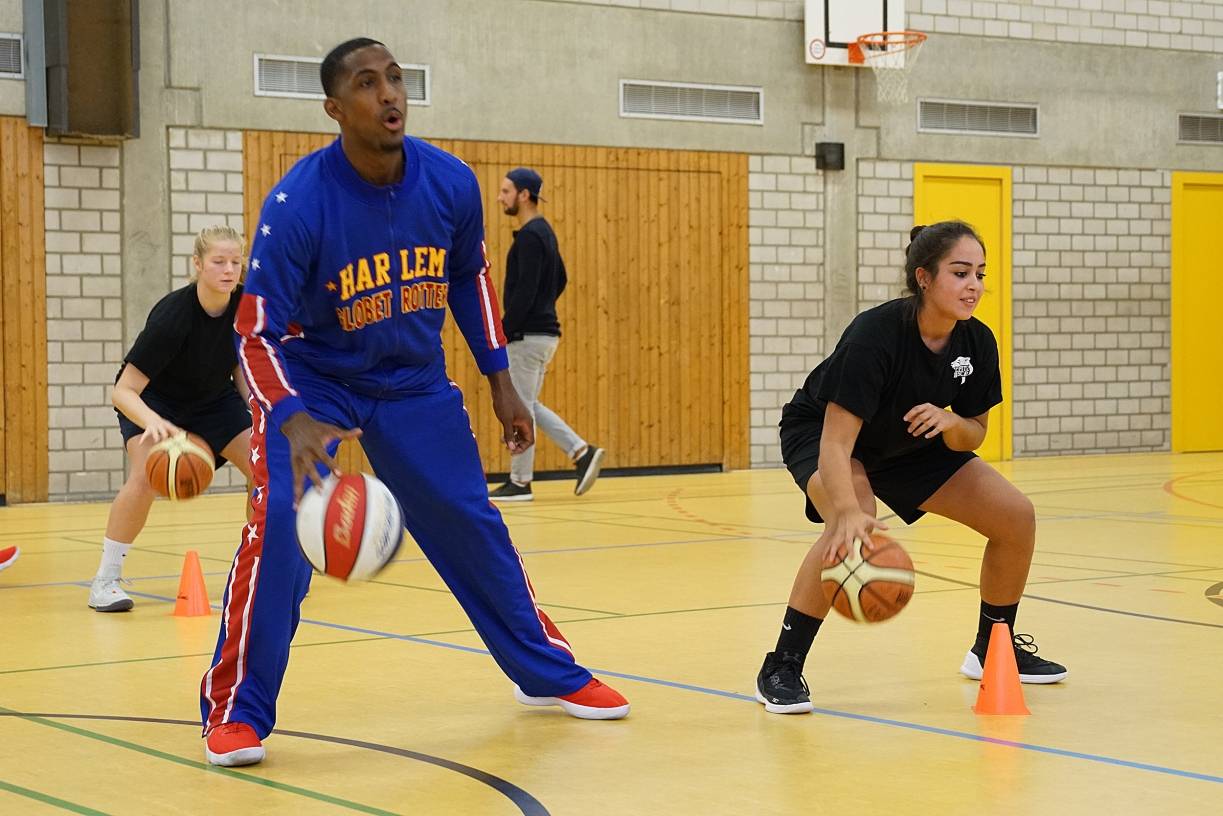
{"type": "Point", "coordinates": [105, 595]}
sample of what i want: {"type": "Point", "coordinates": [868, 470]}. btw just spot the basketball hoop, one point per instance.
{"type": "Point", "coordinates": [891, 55]}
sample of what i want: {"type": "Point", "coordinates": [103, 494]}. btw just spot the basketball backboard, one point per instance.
{"type": "Point", "coordinates": [831, 25]}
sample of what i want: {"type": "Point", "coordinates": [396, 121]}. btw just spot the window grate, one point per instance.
{"type": "Point", "coordinates": [694, 102]}
{"type": "Point", "coordinates": [1202, 129]}
{"type": "Point", "coordinates": [987, 118]}
{"type": "Point", "coordinates": [297, 78]}
{"type": "Point", "coordinates": [10, 56]}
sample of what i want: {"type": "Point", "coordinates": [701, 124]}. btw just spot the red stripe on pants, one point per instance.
{"type": "Point", "coordinates": [221, 682]}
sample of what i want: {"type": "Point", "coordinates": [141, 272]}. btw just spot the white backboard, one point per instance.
{"type": "Point", "coordinates": [831, 25]}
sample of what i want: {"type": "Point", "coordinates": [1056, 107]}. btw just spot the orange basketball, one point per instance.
{"type": "Point", "coordinates": [870, 586]}
{"type": "Point", "coordinates": [180, 467]}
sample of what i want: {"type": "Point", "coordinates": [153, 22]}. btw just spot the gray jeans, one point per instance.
{"type": "Point", "coordinates": [529, 358]}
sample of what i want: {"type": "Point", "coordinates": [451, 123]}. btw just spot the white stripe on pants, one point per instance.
{"type": "Point", "coordinates": [529, 358]}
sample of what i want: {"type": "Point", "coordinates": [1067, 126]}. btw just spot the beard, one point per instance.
{"type": "Point", "coordinates": [512, 209]}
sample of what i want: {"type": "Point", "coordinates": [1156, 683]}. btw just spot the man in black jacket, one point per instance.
{"type": "Point", "coordinates": [534, 279]}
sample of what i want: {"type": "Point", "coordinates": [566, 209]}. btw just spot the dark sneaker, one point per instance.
{"type": "Point", "coordinates": [510, 492]}
{"type": "Point", "coordinates": [780, 685]}
{"type": "Point", "coordinates": [588, 465]}
{"type": "Point", "coordinates": [1032, 668]}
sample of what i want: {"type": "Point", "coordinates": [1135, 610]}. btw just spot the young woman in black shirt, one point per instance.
{"type": "Point", "coordinates": [181, 374]}
{"type": "Point", "coordinates": [871, 421]}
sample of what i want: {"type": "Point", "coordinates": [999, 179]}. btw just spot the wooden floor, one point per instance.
{"type": "Point", "coordinates": [671, 588]}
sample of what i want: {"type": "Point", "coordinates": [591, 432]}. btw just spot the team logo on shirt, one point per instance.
{"type": "Point", "coordinates": [961, 367]}
{"type": "Point", "coordinates": [414, 294]}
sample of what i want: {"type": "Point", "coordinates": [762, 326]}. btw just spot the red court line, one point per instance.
{"type": "Point", "coordinates": [1170, 490]}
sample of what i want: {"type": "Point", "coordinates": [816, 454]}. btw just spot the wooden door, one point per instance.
{"type": "Point", "coordinates": [23, 314]}
{"type": "Point", "coordinates": [653, 362]}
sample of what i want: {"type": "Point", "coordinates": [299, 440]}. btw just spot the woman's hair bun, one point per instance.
{"type": "Point", "coordinates": [913, 233]}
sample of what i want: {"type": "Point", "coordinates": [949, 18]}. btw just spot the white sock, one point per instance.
{"type": "Point", "coordinates": [579, 452]}
{"type": "Point", "coordinates": [113, 553]}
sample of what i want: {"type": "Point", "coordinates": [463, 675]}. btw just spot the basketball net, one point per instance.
{"type": "Point", "coordinates": [890, 55]}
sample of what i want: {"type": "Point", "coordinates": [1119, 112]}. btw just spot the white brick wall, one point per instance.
{"type": "Point", "coordinates": [769, 9]}
{"type": "Point", "coordinates": [84, 318]}
{"type": "Point", "coordinates": [205, 189]}
{"type": "Point", "coordinates": [1091, 304]}
{"type": "Point", "coordinates": [1092, 310]}
{"type": "Point", "coordinates": [1188, 25]}
{"type": "Point", "coordinates": [885, 216]}
{"type": "Point", "coordinates": [786, 289]}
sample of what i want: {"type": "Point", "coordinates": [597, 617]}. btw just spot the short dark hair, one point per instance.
{"type": "Point", "coordinates": [330, 71]}
{"type": "Point", "coordinates": [929, 246]}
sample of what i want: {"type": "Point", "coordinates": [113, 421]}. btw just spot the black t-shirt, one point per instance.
{"type": "Point", "coordinates": [188, 355]}
{"type": "Point", "coordinates": [881, 369]}
{"type": "Point", "coordinates": [534, 278]}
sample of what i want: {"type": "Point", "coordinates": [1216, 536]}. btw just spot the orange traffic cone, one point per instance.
{"type": "Point", "coordinates": [1001, 691]}
{"type": "Point", "coordinates": [192, 594]}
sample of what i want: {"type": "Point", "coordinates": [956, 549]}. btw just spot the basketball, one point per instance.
{"type": "Point", "coordinates": [351, 528]}
{"type": "Point", "coordinates": [180, 467]}
{"type": "Point", "coordinates": [873, 588]}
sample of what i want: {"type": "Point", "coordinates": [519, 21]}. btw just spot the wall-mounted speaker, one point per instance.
{"type": "Point", "coordinates": [93, 63]}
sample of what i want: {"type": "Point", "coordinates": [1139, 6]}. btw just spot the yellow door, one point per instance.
{"type": "Point", "coordinates": [980, 195]}
{"type": "Point", "coordinates": [1197, 284]}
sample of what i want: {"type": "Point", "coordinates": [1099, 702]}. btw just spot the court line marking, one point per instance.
{"type": "Point", "coordinates": [525, 802]}
{"type": "Point", "coordinates": [929, 729]}
{"type": "Point", "coordinates": [48, 799]}
{"type": "Point", "coordinates": [196, 764]}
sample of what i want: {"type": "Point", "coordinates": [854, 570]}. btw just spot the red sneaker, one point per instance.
{"type": "Point", "coordinates": [233, 744]}
{"type": "Point", "coordinates": [7, 556]}
{"type": "Point", "coordinates": [593, 701]}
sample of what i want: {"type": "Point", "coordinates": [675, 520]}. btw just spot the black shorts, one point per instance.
{"type": "Point", "coordinates": [903, 482]}
{"type": "Point", "coordinates": [218, 422]}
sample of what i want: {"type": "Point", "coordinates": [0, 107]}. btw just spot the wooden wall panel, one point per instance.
{"type": "Point", "coordinates": [23, 314]}
{"type": "Point", "coordinates": [653, 364]}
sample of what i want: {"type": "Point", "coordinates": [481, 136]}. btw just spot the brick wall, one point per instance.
{"type": "Point", "coordinates": [769, 9]}
{"type": "Point", "coordinates": [84, 318]}
{"type": "Point", "coordinates": [1189, 25]}
{"type": "Point", "coordinates": [885, 216]}
{"type": "Point", "coordinates": [786, 289]}
{"type": "Point", "coordinates": [1091, 299]}
{"type": "Point", "coordinates": [205, 189]}
{"type": "Point", "coordinates": [1092, 310]}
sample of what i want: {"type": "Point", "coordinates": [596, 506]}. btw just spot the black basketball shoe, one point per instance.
{"type": "Point", "coordinates": [780, 685]}
{"type": "Point", "coordinates": [1032, 668]}
{"type": "Point", "coordinates": [511, 492]}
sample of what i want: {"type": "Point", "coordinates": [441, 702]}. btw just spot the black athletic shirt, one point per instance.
{"type": "Point", "coordinates": [188, 356]}
{"type": "Point", "coordinates": [534, 279]}
{"type": "Point", "coordinates": [881, 369]}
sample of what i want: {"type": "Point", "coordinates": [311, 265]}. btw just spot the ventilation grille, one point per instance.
{"type": "Point", "coordinates": [10, 56]}
{"type": "Point", "coordinates": [941, 116]}
{"type": "Point", "coordinates": [297, 78]}
{"type": "Point", "coordinates": [1198, 128]}
{"type": "Point", "coordinates": [705, 103]}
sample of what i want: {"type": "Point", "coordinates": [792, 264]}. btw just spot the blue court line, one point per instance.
{"type": "Point", "coordinates": [829, 712]}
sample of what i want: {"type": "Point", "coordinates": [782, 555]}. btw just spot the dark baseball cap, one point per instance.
{"type": "Point", "coordinates": [525, 178]}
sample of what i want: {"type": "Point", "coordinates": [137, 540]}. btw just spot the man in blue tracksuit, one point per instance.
{"type": "Point", "coordinates": [359, 250]}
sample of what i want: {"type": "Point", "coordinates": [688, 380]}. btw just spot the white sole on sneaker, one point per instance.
{"type": "Point", "coordinates": [573, 709]}
{"type": "Point", "coordinates": [793, 708]}
{"type": "Point", "coordinates": [526, 497]}
{"type": "Point", "coordinates": [234, 759]}
{"type": "Point", "coordinates": [972, 669]}
{"type": "Point", "coordinates": [588, 478]}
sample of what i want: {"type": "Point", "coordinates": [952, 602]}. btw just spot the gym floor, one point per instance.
{"type": "Point", "coordinates": [671, 589]}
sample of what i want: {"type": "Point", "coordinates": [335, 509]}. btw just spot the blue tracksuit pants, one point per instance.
{"type": "Point", "coordinates": [422, 447]}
